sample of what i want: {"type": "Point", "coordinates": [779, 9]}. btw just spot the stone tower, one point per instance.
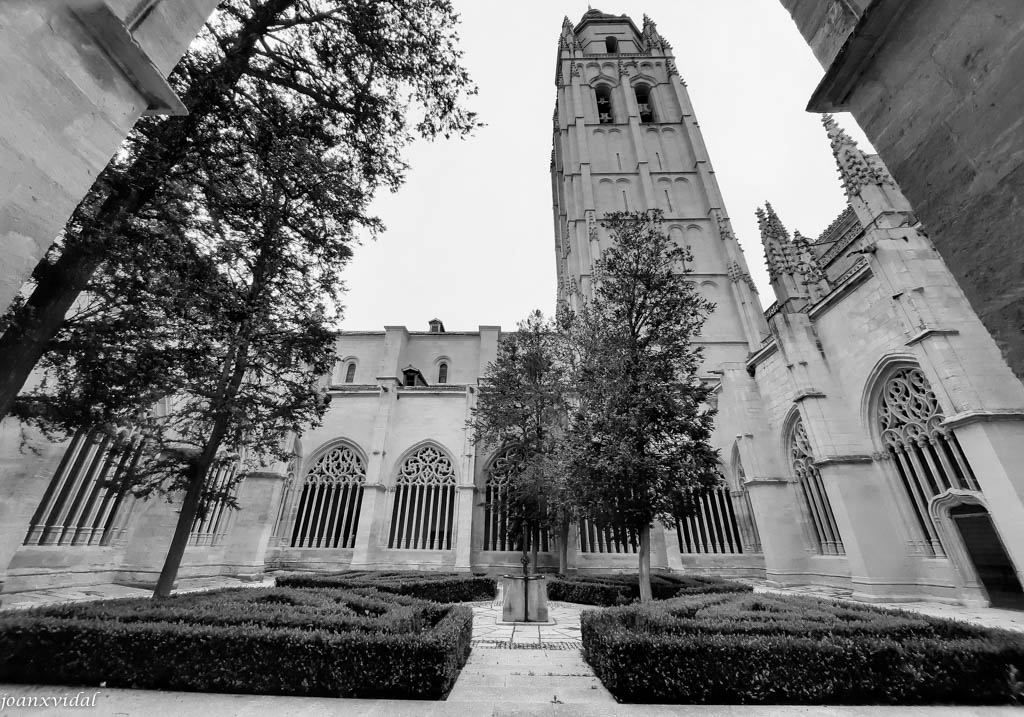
{"type": "Point", "coordinates": [625, 138]}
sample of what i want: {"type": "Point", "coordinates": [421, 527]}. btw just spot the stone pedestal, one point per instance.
{"type": "Point", "coordinates": [526, 598]}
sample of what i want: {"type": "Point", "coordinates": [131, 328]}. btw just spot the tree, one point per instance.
{"type": "Point", "coordinates": [224, 283]}
{"type": "Point", "coordinates": [380, 71]}
{"type": "Point", "coordinates": [521, 409]}
{"type": "Point", "coordinates": [640, 428]}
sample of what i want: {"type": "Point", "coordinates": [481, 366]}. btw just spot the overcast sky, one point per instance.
{"type": "Point", "coordinates": [469, 237]}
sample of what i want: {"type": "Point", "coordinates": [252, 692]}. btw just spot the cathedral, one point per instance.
{"type": "Point", "coordinates": [868, 425]}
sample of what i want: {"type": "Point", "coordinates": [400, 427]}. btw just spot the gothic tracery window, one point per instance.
{"type": "Point", "coordinates": [927, 456]}
{"type": "Point", "coordinates": [332, 494]}
{"type": "Point", "coordinates": [499, 531]}
{"type": "Point", "coordinates": [423, 515]}
{"type": "Point", "coordinates": [813, 489]}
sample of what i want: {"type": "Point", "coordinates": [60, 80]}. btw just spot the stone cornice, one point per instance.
{"type": "Point", "coordinates": [807, 393]}
{"type": "Point", "coordinates": [844, 460]}
{"type": "Point", "coordinates": [982, 415]}
{"type": "Point", "coordinates": [928, 333]}
{"type": "Point", "coordinates": [874, 29]}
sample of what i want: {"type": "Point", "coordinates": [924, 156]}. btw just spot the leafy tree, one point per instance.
{"type": "Point", "coordinates": [379, 70]}
{"type": "Point", "coordinates": [220, 285]}
{"type": "Point", "coordinates": [521, 408]}
{"type": "Point", "coordinates": [640, 428]}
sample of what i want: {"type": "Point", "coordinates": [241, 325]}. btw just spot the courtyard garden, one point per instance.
{"type": "Point", "coordinates": [403, 635]}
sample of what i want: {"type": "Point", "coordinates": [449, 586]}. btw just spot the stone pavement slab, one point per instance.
{"type": "Point", "coordinates": [146, 703]}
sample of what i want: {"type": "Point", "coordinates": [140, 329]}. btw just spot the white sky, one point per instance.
{"type": "Point", "coordinates": [469, 236]}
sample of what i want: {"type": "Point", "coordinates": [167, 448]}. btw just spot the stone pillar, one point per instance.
{"type": "Point", "coordinates": [372, 524]}
{"type": "Point", "coordinates": [24, 477]}
{"type": "Point", "coordinates": [783, 540]}
{"type": "Point", "coordinates": [465, 495]}
{"type": "Point", "coordinates": [148, 540]}
{"type": "Point", "coordinates": [246, 550]}
{"type": "Point", "coordinates": [864, 506]}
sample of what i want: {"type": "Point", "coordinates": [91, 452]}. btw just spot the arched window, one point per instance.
{"type": "Point", "coordinates": [499, 533]}
{"type": "Point", "coordinates": [813, 489]}
{"type": "Point", "coordinates": [713, 526]}
{"type": "Point", "coordinates": [643, 103]}
{"type": "Point", "coordinates": [442, 373]}
{"type": "Point", "coordinates": [605, 113]}
{"type": "Point", "coordinates": [611, 44]}
{"type": "Point", "coordinates": [332, 494]}
{"type": "Point", "coordinates": [927, 456]}
{"type": "Point", "coordinates": [424, 512]}
{"type": "Point", "coordinates": [597, 537]}
{"type": "Point", "coordinates": [83, 503]}
{"type": "Point", "coordinates": [210, 526]}
{"type": "Point", "coordinates": [350, 372]}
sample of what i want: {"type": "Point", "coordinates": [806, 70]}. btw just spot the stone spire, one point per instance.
{"type": "Point", "coordinates": [810, 272]}
{"type": "Point", "coordinates": [651, 38]}
{"type": "Point", "coordinates": [779, 252]}
{"type": "Point", "coordinates": [856, 169]}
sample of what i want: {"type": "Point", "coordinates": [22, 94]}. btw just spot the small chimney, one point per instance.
{"type": "Point", "coordinates": [436, 327]}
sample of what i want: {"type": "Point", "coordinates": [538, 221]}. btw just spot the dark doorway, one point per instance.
{"type": "Point", "coordinates": [993, 565]}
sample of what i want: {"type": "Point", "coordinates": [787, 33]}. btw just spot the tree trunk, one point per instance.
{"type": "Point", "coordinates": [38, 321]}
{"type": "Point", "coordinates": [645, 564]}
{"type": "Point", "coordinates": [34, 326]}
{"type": "Point", "coordinates": [563, 546]}
{"type": "Point", "coordinates": [187, 515]}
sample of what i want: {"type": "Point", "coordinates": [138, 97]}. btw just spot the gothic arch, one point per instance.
{"type": "Point", "coordinates": [423, 514]}
{"type": "Point", "coordinates": [905, 420]}
{"type": "Point", "coordinates": [415, 448]}
{"type": "Point", "coordinates": [328, 496]}
{"type": "Point", "coordinates": [817, 508]}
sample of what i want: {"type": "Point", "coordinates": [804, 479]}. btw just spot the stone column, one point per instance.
{"type": "Point", "coordinates": [148, 540]}
{"type": "Point", "coordinates": [783, 540]}
{"type": "Point", "coordinates": [258, 497]}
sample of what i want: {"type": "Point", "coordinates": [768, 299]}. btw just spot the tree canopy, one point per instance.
{"type": "Point", "coordinates": [640, 429]}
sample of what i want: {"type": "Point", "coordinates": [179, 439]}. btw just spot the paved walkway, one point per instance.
{"type": "Point", "coordinates": [984, 616]}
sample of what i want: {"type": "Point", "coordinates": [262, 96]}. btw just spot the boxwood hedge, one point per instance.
{"type": "Point", "coordinates": [746, 649]}
{"type": "Point", "coordinates": [439, 587]}
{"type": "Point", "coordinates": [606, 590]}
{"type": "Point", "coordinates": [260, 641]}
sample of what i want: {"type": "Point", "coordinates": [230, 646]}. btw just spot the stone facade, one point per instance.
{"type": "Point", "coordinates": [868, 424]}
{"type": "Point", "coordinates": [937, 88]}
{"type": "Point", "coordinates": [77, 74]}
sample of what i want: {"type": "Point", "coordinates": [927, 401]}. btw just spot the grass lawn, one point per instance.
{"type": "Point", "coordinates": [749, 649]}
{"type": "Point", "coordinates": [287, 641]}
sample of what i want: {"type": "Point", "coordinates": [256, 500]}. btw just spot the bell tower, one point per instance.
{"type": "Point", "coordinates": [625, 138]}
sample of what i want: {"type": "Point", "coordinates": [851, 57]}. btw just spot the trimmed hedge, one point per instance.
{"type": "Point", "coordinates": [746, 649]}
{"type": "Point", "coordinates": [608, 590]}
{"type": "Point", "coordinates": [439, 587]}
{"type": "Point", "coordinates": [257, 641]}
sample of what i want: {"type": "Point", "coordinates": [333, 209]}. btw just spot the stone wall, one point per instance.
{"type": "Point", "coordinates": [938, 91]}
{"type": "Point", "coordinates": [67, 107]}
